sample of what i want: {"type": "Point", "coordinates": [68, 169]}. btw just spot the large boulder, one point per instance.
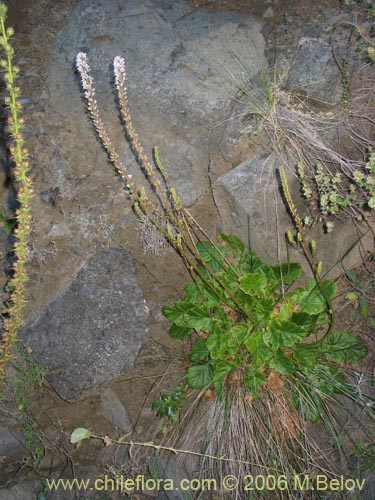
{"type": "Point", "coordinates": [92, 331]}
{"type": "Point", "coordinates": [180, 63]}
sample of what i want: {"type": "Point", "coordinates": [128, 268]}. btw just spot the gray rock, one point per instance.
{"type": "Point", "coordinates": [92, 331]}
{"type": "Point", "coordinates": [315, 74]}
{"type": "Point", "coordinates": [60, 230]}
{"type": "Point", "coordinates": [23, 491]}
{"type": "Point", "coordinates": [11, 445]}
{"type": "Point", "coordinates": [180, 62]}
{"type": "Point", "coordinates": [30, 490]}
{"type": "Point", "coordinates": [251, 205]}
{"type": "Point", "coordinates": [268, 13]}
{"type": "Point", "coordinates": [114, 411]}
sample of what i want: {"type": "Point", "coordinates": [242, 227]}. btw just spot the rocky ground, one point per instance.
{"type": "Point", "coordinates": [82, 215]}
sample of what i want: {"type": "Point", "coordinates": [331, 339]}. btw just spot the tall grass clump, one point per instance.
{"type": "Point", "coordinates": [265, 363]}
{"type": "Point", "coordinates": [21, 165]}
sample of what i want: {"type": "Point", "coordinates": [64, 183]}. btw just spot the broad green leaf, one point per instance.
{"type": "Point", "coordinates": [282, 364]}
{"type": "Point", "coordinates": [283, 334]}
{"type": "Point", "coordinates": [248, 304]}
{"type": "Point", "coordinates": [240, 331]}
{"type": "Point", "coordinates": [199, 376]}
{"type": "Point", "coordinates": [222, 344]}
{"type": "Point", "coordinates": [329, 288]}
{"type": "Point", "coordinates": [212, 299]}
{"type": "Point", "coordinates": [188, 315]}
{"type": "Point", "coordinates": [199, 351]}
{"type": "Point", "coordinates": [79, 434]}
{"type": "Point", "coordinates": [341, 347]}
{"type": "Point", "coordinates": [307, 354]}
{"type": "Point", "coordinates": [229, 279]}
{"type": "Point", "coordinates": [234, 243]}
{"type": "Point", "coordinates": [179, 332]}
{"type": "Point", "coordinates": [210, 255]}
{"type": "Point", "coordinates": [260, 352]}
{"type": "Point", "coordinates": [285, 312]}
{"type": "Point", "coordinates": [157, 404]}
{"type": "Point", "coordinates": [222, 369]}
{"type": "Point", "coordinates": [263, 310]}
{"type": "Point", "coordinates": [251, 264]}
{"type": "Point", "coordinates": [288, 273]}
{"type": "Point", "coordinates": [312, 300]}
{"type": "Point", "coordinates": [203, 271]}
{"type": "Point", "coordinates": [200, 293]}
{"type": "Point", "coordinates": [307, 321]}
{"type": "Point", "coordinates": [254, 284]}
{"type": "Point", "coordinates": [193, 294]}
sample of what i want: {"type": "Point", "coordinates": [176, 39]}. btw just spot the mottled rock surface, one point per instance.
{"type": "Point", "coordinates": [182, 67]}
{"type": "Point", "coordinates": [93, 330]}
{"type": "Point", "coordinates": [315, 74]}
{"type": "Point", "coordinates": [114, 411]}
{"type": "Point", "coordinates": [11, 445]}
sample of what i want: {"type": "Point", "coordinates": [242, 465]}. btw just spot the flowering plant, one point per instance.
{"type": "Point", "coordinates": [23, 217]}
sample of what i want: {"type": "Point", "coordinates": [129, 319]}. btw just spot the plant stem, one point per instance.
{"type": "Point", "coordinates": [19, 156]}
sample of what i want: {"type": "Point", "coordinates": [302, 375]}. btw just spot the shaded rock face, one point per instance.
{"type": "Point", "coordinates": [11, 445]}
{"type": "Point", "coordinates": [114, 411]}
{"type": "Point", "coordinates": [315, 74]}
{"type": "Point", "coordinates": [180, 63]}
{"type": "Point", "coordinates": [92, 331]}
{"type": "Point", "coordinates": [22, 491]}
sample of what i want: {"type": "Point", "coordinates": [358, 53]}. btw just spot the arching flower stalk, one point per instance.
{"type": "Point", "coordinates": [173, 220]}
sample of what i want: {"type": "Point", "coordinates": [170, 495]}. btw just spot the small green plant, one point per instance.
{"type": "Point", "coordinates": [261, 367]}
{"type": "Point", "coordinates": [333, 198]}
{"type": "Point", "coordinates": [29, 377]}
{"type": "Point", "coordinates": [170, 403]}
{"type": "Point", "coordinates": [274, 331]}
{"type": "Point", "coordinates": [8, 223]}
